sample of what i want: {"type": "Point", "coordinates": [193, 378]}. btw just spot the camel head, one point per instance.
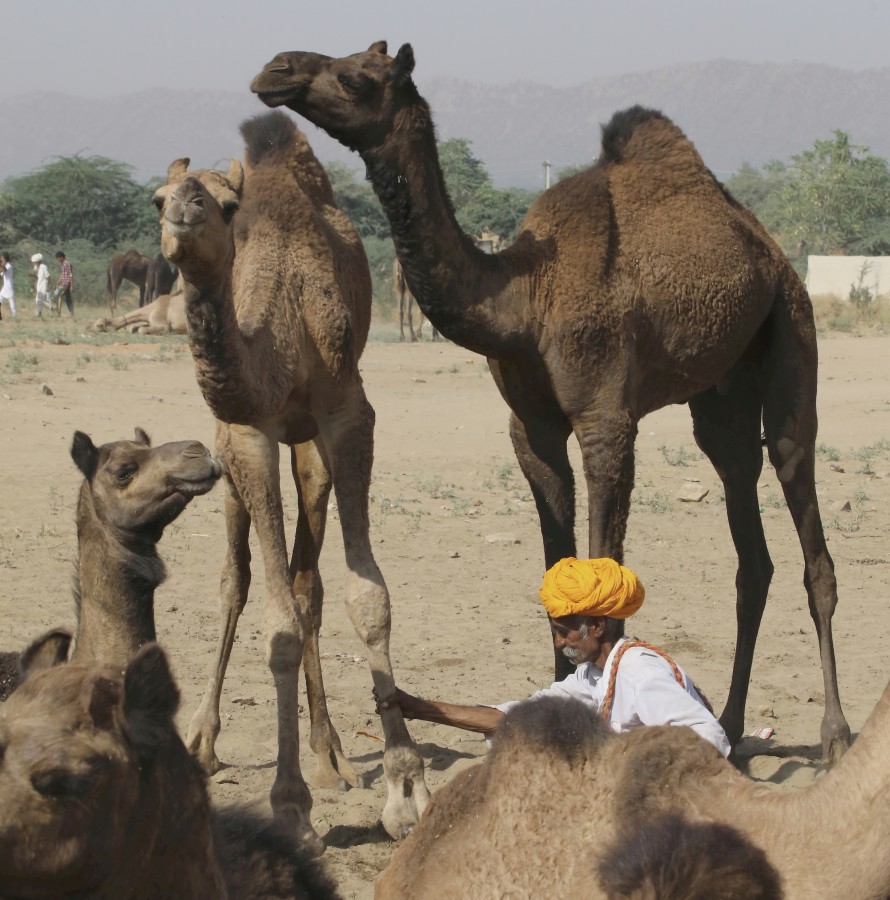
{"type": "Point", "coordinates": [196, 211]}
{"type": "Point", "coordinates": [78, 747]}
{"type": "Point", "coordinates": [355, 99]}
{"type": "Point", "coordinates": [138, 489]}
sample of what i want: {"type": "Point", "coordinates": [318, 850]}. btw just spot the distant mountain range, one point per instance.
{"type": "Point", "coordinates": [735, 112]}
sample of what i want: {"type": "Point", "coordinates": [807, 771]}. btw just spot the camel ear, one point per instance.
{"type": "Point", "coordinates": [377, 47]}
{"type": "Point", "coordinates": [142, 437]}
{"type": "Point", "coordinates": [84, 454]}
{"type": "Point", "coordinates": [151, 699]}
{"type": "Point", "coordinates": [235, 176]}
{"type": "Point", "coordinates": [177, 168]}
{"type": "Point", "coordinates": [404, 63]}
{"type": "Point", "coordinates": [47, 651]}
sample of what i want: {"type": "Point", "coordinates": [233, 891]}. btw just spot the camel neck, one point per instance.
{"type": "Point", "coordinates": [470, 296]}
{"type": "Point", "coordinates": [114, 591]}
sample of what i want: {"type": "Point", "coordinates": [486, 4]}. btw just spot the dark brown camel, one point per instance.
{"type": "Point", "coordinates": [100, 798]}
{"type": "Point", "coordinates": [130, 266]}
{"type": "Point", "coordinates": [278, 300]}
{"type": "Point", "coordinates": [159, 279]}
{"type": "Point", "coordinates": [634, 284]}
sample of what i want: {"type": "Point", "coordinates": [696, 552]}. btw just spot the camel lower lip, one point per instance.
{"type": "Point", "coordinates": [274, 98]}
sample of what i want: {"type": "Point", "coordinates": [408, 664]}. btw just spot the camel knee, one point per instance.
{"type": "Point", "coordinates": [788, 455]}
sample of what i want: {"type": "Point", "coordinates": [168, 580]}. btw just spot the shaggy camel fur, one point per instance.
{"type": "Point", "coordinates": [164, 315]}
{"type": "Point", "coordinates": [130, 266]}
{"type": "Point", "coordinates": [100, 798]}
{"type": "Point", "coordinates": [278, 300]}
{"type": "Point", "coordinates": [160, 278]}
{"type": "Point", "coordinates": [537, 816]}
{"type": "Point", "coordinates": [406, 306]}
{"type": "Point", "coordinates": [130, 493]}
{"type": "Point", "coordinates": [634, 284]}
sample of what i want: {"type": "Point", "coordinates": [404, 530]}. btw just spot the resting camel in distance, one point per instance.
{"type": "Point", "coordinates": [160, 278]}
{"type": "Point", "coordinates": [130, 266]}
{"type": "Point", "coordinates": [130, 493]}
{"type": "Point", "coordinates": [635, 284]}
{"type": "Point", "coordinates": [100, 798]}
{"type": "Point", "coordinates": [542, 814]}
{"type": "Point", "coordinates": [278, 300]}
{"type": "Point", "coordinates": [406, 304]}
{"type": "Point", "coordinates": [164, 315]}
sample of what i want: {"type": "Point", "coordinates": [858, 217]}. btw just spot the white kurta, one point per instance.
{"type": "Point", "coordinates": [646, 693]}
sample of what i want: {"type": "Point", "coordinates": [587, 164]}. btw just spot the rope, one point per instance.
{"type": "Point", "coordinates": [609, 699]}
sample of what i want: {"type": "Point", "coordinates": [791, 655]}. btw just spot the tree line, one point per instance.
{"type": "Point", "coordinates": [835, 197]}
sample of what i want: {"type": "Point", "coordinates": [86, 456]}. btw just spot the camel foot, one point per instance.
{"type": "Point", "coordinates": [336, 772]}
{"type": "Point", "coordinates": [835, 741]}
{"type": "Point", "coordinates": [407, 793]}
{"type": "Point", "coordinates": [201, 745]}
{"type": "Point", "coordinates": [291, 805]}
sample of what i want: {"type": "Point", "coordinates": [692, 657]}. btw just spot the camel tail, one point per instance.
{"type": "Point", "coordinates": [618, 131]}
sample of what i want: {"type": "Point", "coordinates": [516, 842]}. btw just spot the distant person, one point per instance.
{"type": "Point", "coordinates": [7, 292]}
{"type": "Point", "coordinates": [65, 284]}
{"type": "Point", "coordinates": [41, 297]}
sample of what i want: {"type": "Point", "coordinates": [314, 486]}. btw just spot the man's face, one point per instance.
{"type": "Point", "coordinates": [578, 637]}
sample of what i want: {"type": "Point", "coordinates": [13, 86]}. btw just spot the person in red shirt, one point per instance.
{"type": "Point", "coordinates": [65, 284]}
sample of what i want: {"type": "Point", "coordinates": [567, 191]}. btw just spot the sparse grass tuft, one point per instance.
{"type": "Point", "coordinates": [679, 456]}
{"type": "Point", "coordinates": [19, 362]}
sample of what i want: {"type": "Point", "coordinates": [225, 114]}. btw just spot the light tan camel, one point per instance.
{"type": "Point", "coordinates": [165, 315]}
{"type": "Point", "coordinates": [541, 815]}
{"type": "Point", "coordinates": [100, 798]}
{"type": "Point", "coordinates": [130, 266]}
{"type": "Point", "coordinates": [131, 491]}
{"type": "Point", "coordinates": [406, 306]}
{"type": "Point", "coordinates": [278, 300]}
{"type": "Point", "coordinates": [634, 284]}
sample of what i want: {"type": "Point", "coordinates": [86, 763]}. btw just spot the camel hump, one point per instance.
{"type": "Point", "coordinates": [561, 727]}
{"type": "Point", "coordinates": [618, 132]}
{"type": "Point", "coordinates": [269, 138]}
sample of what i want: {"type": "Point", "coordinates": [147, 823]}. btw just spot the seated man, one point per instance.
{"type": "Point", "coordinates": [628, 682]}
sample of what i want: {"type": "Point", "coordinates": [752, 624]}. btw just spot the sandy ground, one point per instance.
{"type": "Point", "coordinates": [466, 622]}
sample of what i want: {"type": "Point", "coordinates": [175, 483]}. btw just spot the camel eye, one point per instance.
{"type": "Point", "coordinates": [158, 202]}
{"type": "Point", "coordinates": [61, 784]}
{"type": "Point", "coordinates": [229, 208]}
{"type": "Point", "coordinates": [124, 475]}
{"type": "Point", "coordinates": [354, 84]}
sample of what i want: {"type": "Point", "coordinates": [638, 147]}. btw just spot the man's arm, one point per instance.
{"type": "Point", "coordinates": [481, 719]}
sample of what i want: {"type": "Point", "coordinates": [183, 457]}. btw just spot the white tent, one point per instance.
{"type": "Point", "coordinates": [837, 274]}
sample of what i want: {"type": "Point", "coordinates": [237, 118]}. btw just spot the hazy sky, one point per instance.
{"type": "Point", "coordinates": [106, 47]}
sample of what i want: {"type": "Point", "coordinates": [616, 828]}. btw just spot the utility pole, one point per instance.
{"type": "Point", "coordinates": [546, 174]}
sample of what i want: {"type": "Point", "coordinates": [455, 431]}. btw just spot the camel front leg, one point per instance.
{"type": "Point", "coordinates": [253, 466]}
{"type": "Point", "coordinates": [313, 480]}
{"type": "Point", "coordinates": [348, 433]}
{"type": "Point", "coordinates": [234, 584]}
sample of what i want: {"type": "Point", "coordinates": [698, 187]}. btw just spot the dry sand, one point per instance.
{"type": "Point", "coordinates": [466, 623]}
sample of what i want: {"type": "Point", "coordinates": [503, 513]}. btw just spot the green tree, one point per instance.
{"type": "Point", "coordinates": [465, 175]}
{"type": "Point", "coordinates": [357, 199]}
{"type": "Point", "coordinates": [81, 198]}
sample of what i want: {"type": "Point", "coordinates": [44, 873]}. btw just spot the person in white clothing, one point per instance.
{"type": "Point", "coordinates": [7, 291]}
{"type": "Point", "coordinates": [629, 683]}
{"type": "Point", "coordinates": [41, 298]}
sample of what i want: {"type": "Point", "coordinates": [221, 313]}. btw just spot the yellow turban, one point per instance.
{"type": "Point", "coordinates": [591, 587]}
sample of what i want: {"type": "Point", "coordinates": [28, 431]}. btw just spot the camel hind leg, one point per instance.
{"type": "Point", "coordinates": [727, 429]}
{"type": "Point", "coordinates": [313, 480]}
{"type": "Point", "coordinates": [789, 419]}
{"type": "Point", "coordinates": [347, 431]}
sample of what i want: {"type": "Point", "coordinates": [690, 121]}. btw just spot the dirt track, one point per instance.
{"type": "Point", "coordinates": [466, 622]}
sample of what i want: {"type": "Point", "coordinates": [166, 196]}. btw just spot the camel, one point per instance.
{"type": "Point", "coordinates": [131, 491]}
{"type": "Point", "coordinates": [542, 814]}
{"type": "Point", "coordinates": [278, 301]}
{"type": "Point", "coordinates": [406, 304]}
{"type": "Point", "coordinates": [160, 278]}
{"type": "Point", "coordinates": [164, 315]}
{"type": "Point", "coordinates": [637, 283]}
{"type": "Point", "coordinates": [130, 266]}
{"type": "Point", "coordinates": [100, 798]}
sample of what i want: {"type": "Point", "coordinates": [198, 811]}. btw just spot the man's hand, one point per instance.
{"type": "Point", "coordinates": [404, 701]}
